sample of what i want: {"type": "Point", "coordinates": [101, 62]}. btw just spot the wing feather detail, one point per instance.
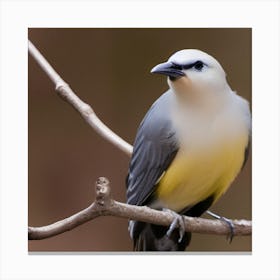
{"type": "Point", "coordinates": [155, 147]}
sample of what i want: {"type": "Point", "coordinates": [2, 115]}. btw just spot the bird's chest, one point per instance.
{"type": "Point", "coordinates": [210, 156]}
{"type": "Point", "coordinates": [209, 131]}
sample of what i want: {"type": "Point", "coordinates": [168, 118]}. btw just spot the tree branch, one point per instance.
{"type": "Point", "coordinates": [104, 205]}
{"type": "Point", "coordinates": [66, 93]}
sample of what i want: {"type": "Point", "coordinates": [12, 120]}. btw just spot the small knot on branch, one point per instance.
{"type": "Point", "coordinates": [87, 110]}
{"type": "Point", "coordinates": [63, 89]}
{"type": "Point", "coordinates": [103, 192]}
{"type": "Point", "coordinates": [60, 85]}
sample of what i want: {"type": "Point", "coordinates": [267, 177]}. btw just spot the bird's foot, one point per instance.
{"type": "Point", "coordinates": [228, 222]}
{"type": "Point", "coordinates": [178, 222]}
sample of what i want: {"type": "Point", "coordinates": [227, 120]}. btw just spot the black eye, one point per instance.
{"type": "Point", "coordinates": [198, 65]}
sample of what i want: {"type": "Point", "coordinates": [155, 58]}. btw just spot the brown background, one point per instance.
{"type": "Point", "coordinates": [110, 70]}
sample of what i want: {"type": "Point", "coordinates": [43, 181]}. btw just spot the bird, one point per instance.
{"type": "Point", "coordinates": [189, 148]}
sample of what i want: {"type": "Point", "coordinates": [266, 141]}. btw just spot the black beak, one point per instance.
{"type": "Point", "coordinates": [170, 69]}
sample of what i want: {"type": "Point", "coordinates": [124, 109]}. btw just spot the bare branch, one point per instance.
{"type": "Point", "coordinates": [65, 92]}
{"type": "Point", "coordinates": [105, 206]}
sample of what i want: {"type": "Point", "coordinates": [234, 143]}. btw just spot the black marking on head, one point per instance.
{"type": "Point", "coordinates": [178, 68]}
{"type": "Point", "coordinates": [198, 65]}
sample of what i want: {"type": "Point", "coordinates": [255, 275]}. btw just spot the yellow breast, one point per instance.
{"type": "Point", "coordinates": [200, 172]}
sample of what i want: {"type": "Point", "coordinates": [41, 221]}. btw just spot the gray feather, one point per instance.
{"type": "Point", "coordinates": [155, 147]}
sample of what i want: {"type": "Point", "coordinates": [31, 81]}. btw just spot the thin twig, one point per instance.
{"type": "Point", "coordinates": [105, 206]}
{"type": "Point", "coordinates": [66, 93]}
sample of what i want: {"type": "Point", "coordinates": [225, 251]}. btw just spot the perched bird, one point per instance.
{"type": "Point", "coordinates": [189, 147]}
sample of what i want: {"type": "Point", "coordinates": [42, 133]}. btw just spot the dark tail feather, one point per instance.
{"type": "Point", "coordinates": [153, 238]}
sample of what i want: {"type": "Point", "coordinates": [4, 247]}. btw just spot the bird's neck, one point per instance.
{"type": "Point", "coordinates": [206, 101]}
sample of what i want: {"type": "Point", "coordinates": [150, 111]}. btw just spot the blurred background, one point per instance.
{"type": "Point", "coordinates": [110, 70]}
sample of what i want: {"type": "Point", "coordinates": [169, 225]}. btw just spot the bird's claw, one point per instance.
{"type": "Point", "coordinates": [178, 222]}
{"type": "Point", "coordinates": [227, 221]}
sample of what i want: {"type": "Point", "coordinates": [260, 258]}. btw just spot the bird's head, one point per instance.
{"type": "Point", "coordinates": [193, 70]}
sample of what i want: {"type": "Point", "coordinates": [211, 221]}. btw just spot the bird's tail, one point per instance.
{"type": "Point", "coordinates": [153, 238]}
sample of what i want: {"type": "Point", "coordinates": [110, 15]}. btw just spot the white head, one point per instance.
{"type": "Point", "coordinates": [193, 70]}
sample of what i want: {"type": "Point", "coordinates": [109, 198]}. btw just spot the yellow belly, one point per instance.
{"type": "Point", "coordinates": [193, 176]}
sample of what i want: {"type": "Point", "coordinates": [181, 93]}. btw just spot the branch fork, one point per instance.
{"type": "Point", "coordinates": [103, 194]}
{"type": "Point", "coordinates": [104, 205]}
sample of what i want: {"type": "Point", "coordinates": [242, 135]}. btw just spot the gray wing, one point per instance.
{"type": "Point", "coordinates": [155, 147]}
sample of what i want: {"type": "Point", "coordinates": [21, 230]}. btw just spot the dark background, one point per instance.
{"type": "Point", "coordinates": [110, 70]}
